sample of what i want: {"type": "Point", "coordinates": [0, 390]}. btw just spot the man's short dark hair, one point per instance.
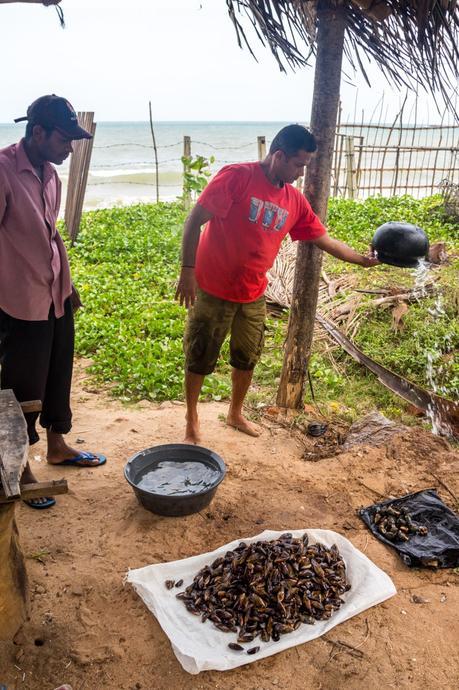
{"type": "Point", "coordinates": [292, 139]}
{"type": "Point", "coordinates": [31, 125]}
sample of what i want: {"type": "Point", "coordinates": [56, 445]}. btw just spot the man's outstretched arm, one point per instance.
{"type": "Point", "coordinates": [342, 251]}
{"type": "Point", "coordinates": [186, 287]}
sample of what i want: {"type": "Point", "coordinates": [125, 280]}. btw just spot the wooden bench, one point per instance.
{"type": "Point", "coordinates": [14, 447]}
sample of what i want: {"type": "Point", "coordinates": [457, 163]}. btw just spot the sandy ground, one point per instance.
{"type": "Point", "coordinates": [88, 629]}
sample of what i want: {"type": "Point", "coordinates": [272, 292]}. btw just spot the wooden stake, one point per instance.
{"type": "Point", "coordinates": [261, 144]}
{"type": "Point", "coordinates": [186, 154]}
{"type": "Point", "coordinates": [156, 153]}
{"type": "Point", "coordinates": [350, 168]}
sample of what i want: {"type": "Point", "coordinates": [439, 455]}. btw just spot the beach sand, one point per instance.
{"type": "Point", "coordinates": [87, 628]}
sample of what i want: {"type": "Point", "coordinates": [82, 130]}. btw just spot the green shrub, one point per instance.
{"type": "Point", "coordinates": [126, 263]}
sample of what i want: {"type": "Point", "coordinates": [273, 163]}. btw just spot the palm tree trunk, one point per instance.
{"type": "Point", "coordinates": [330, 41]}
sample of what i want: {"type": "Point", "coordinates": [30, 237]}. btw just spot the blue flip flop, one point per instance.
{"type": "Point", "coordinates": [47, 503]}
{"type": "Point", "coordinates": [75, 462]}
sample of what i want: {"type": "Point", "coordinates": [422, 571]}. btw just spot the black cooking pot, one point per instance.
{"type": "Point", "coordinates": [400, 244]}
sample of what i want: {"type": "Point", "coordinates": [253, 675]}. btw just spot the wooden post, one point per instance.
{"type": "Point", "coordinates": [397, 150]}
{"type": "Point", "coordinates": [261, 143]}
{"type": "Point", "coordinates": [335, 166]}
{"type": "Point", "coordinates": [396, 170]}
{"type": "Point", "coordinates": [391, 130]}
{"type": "Point", "coordinates": [350, 168]}
{"type": "Point", "coordinates": [359, 165]}
{"type": "Point", "coordinates": [339, 157]}
{"type": "Point", "coordinates": [13, 458]}
{"type": "Point", "coordinates": [439, 143]}
{"type": "Point", "coordinates": [186, 154]}
{"type": "Point", "coordinates": [156, 152]}
{"type": "Point", "coordinates": [13, 576]}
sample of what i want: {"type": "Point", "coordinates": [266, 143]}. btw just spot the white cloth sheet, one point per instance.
{"type": "Point", "coordinates": [200, 646]}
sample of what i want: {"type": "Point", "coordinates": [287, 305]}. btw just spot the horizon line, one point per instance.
{"type": "Point", "coordinates": [267, 122]}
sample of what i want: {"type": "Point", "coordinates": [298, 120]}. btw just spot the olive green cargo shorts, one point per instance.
{"type": "Point", "coordinates": [209, 322]}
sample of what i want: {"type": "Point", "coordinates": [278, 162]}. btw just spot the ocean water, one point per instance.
{"type": "Point", "coordinates": [122, 167]}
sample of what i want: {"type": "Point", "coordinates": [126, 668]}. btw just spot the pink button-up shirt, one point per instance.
{"type": "Point", "coordinates": [34, 268]}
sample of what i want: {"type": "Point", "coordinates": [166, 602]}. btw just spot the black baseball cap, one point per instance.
{"type": "Point", "coordinates": [55, 112]}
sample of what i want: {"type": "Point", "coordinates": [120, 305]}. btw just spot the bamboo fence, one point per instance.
{"type": "Point", "coordinates": [377, 159]}
{"type": "Point", "coordinates": [369, 159]}
{"type": "Point", "coordinates": [386, 160]}
{"type": "Point", "coordinates": [78, 176]}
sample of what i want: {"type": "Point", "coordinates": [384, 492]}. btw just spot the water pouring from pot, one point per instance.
{"type": "Point", "coordinates": [406, 245]}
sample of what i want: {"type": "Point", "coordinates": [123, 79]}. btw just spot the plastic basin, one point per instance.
{"type": "Point", "coordinates": [148, 460]}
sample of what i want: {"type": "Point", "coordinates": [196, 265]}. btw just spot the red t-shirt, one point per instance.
{"type": "Point", "coordinates": [251, 218]}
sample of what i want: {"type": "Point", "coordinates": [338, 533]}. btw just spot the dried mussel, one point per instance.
{"type": "Point", "coordinates": [268, 589]}
{"type": "Point", "coordinates": [396, 524]}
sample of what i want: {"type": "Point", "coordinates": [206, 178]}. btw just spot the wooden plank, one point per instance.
{"type": "Point", "coordinates": [38, 490]}
{"type": "Point", "coordinates": [14, 443]}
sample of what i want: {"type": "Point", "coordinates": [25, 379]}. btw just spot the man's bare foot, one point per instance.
{"type": "Point", "coordinates": [59, 458]}
{"type": "Point", "coordinates": [28, 477]}
{"type": "Point", "coordinates": [237, 421]}
{"type": "Point", "coordinates": [192, 433]}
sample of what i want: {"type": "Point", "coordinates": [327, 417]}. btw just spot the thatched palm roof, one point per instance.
{"type": "Point", "coordinates": [37, 2]}
{"type": "Point", "coordinates": [59, 11]}
{"type": "Point", "coordinates": [415, 43]}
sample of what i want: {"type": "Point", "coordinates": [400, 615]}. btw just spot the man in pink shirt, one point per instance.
{"type": "Point", "coordinates": [37, 298]}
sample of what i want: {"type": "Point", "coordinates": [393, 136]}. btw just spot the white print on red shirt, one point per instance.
{"type": "Point", "coordinates": [270, 212]}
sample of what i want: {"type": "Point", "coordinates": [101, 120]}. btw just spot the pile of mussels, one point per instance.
{"type": "Point", "coordinates": [268, 588]}
{"type": "Point", "coordinates": [396, 524]}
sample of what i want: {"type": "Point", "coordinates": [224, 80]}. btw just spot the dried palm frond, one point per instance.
{"type": "Point", "coordinates": [281, 277]}
{"type": "Point", "coordinates": [340, 299]}
{"type": "Point", "coordinates": [414, 43]}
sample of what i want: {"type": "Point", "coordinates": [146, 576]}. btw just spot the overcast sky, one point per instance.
{"type": "Point", "coordinates": [114, 56]}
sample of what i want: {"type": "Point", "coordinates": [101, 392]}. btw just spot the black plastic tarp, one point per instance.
{"type": "Point", "coordinates": [439, 547]}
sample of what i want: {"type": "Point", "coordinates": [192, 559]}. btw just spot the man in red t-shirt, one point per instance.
{"type": "Point", "coordinates": [248, 210]}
